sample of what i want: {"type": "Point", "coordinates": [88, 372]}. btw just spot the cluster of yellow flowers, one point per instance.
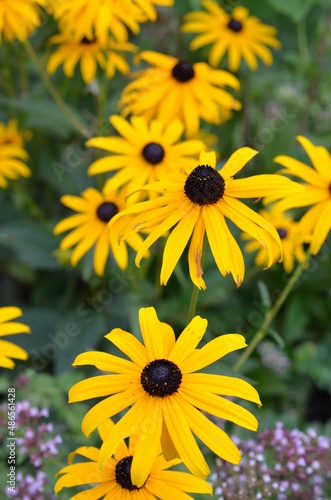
{"type": "Point", "coordinates": [164, 185]}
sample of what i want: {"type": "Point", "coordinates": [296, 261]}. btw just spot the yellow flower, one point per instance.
{"type": "Point", "coordinates": [316, 223]}
{"type": "Point", "coordinates": [290, 237]}
{"type": "Point", "coordinates": [11, 164]}
{"type": "Point", "coordinates": [147, 6]}
{"type": "Point", "coordinates": [90, 53]}
{"type": "Point", "coordinates": [197, 202]}
{"type": "Point", "coordinates": [115, 481]}
{"type": "Point", "coordinates": [175, 88]}
{"type": "Point", "coordinates": [83, 18]}
{"type": "Point", "coordinates": [166, 397]}
{"type": "Point", "coordinates": [239, 34]}
{"type": "Point", "coordinates": [9, 134]}
{"type": "Point", "coordinates": [145, 152]}
{"type": "Point", "coordinates": [116, 61]}
{"type": "Point", "coordinates": [89, 227]}
{"type": "Point", "coordinates": [19, 18]}
{"type": "Point", "coordinates": [8, 327]}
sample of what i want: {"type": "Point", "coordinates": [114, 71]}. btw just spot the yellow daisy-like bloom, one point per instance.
{"type": "Point", "coordinates": [145, 152]}
{"type": "Point", "coordinates": [290, 237]}
{"type": "Point", "coordinates": [19, 18]}
{"type": "Point", "coordinates": [239, 34]}
{"type": "Point", "coordinates": [167, 397]}
{"type": "Point", "coordinates": [89, 227]}
{"type": "Point", "coordinates": [316, 223]}
{"type": "Point", "coordinates": [114, 482]}
{"type": "Point", "coordinates": [10, 134]}
{"type": "Point", "coordinates": [8, 327]}
{"type": "Point", "coordinates": [197, 202]}
{"type": "Point", "coordinates": [175, 88]}
{"type": "Point", "coordinates": [83, 18]}
{"type": "Point", "coordinates": [90, 53]}
{"type": "Point", "coordinates": [12, 164]}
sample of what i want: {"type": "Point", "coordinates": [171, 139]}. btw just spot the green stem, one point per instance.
{"type": "Point", "coordinates": [193, 303]}
{"type": "Point", "coordinates": [7, 71]}
{"type": "Point", "coordinates": [26, 202]}
{"type": "Point", "coordinates": [195, 291]}
{"type": "Point", "coordinates": [54, 93]}
{"type": "Point", "coordinates": [270, 316]}
{"type": "Point", "coordinates": [302, 43]}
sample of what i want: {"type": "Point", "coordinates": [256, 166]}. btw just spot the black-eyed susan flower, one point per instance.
{"type": "Point", "coordinates": [12, 163]}
{"type": "Point", "coordinates": [166, 396]}
{"type": "Point", "coordinates": [90, 53]}
{"type": "Point", "coordinates": [176, 88]}
{"type": "Point", "coordinates": [10, 134]}
{"type": "Point", "coordinates": [83, 18]}
{"type": "Point", "coordinates": [9, 350]}
{"type": "Point", "coordinates": [19, 18]}
{"type": "Point", "coordinates": [290, 237]}
{"type": "Point", "coordinates": [144, 152]}
{"type": "Point", "coordinates": [115, 483]}
{"type": "Point", "coordinates": [316, 223]}
{"type": "Point", "coordinates": [238, 34]}
{"type": "Point", "coordinates": [196, 203]}
{"type": "Point", "coordinates": [89, 227]}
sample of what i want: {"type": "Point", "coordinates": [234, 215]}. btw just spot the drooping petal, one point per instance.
{"type": "Point", "coordinates": [183, 438]}
{"type": "Point", "coordinates": [148, 442]}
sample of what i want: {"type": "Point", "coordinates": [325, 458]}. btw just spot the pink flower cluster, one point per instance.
{"type": "Point", "coordinates": [279, 464]}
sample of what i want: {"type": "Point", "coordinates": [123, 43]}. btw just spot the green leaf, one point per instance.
{"type": "Point", "coordinates": [275, 335]}
{"type": "Point", "coordinates": [44, 115]}
{"type": "Point", "coordinates": [295, 9]}
{"type": "Point", "coordinates": [31, 243]}
{"type": "Point", "coordinates": [264, 294]}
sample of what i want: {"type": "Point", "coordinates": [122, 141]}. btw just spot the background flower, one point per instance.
{"type": "Point", "coordinates": [144, 152]}
{"type": "Point", "coordinates": [115, 481]}
{"type": "Point", "coordinates": [89, 227]}
{"type": "Point", "coordinates": [238, 34]}
{"type": "Point", "coordinates": [316, 223]}
{"type": "Point", "coordinates": [175, 88]}
{"type": "Point", "coordinates": [290, 237]}
{"type": "Point", "coordinates": [9, 350]}
{"type": "Point", "coordinates": [20, 18]}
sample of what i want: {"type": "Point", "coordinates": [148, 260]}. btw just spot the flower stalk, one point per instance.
{"type": "Point", "coordinates": [270, 316]}
{"type": "Point", "coordinates": [54, 93]}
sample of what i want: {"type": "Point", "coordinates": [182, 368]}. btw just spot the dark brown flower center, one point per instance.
{"type": "Point", "coordinates": [204, 185]}
{"type": "Point", "coordinates": [123, 474]}
{"type": "Point", "coordinates": [87, 41]}
{"type": "Point", "coordinates": [282, 232]}
{"type": "Point", "coordinates": [153, 153]}
{"type": "Point", "coordinates": [183, 71]}
{"type": "Point", "coordinates": [235, 25]}
{"type": "Point", "coordinates": [106, 211]}
{"type": "Point", "coordinates": [161, 378]}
